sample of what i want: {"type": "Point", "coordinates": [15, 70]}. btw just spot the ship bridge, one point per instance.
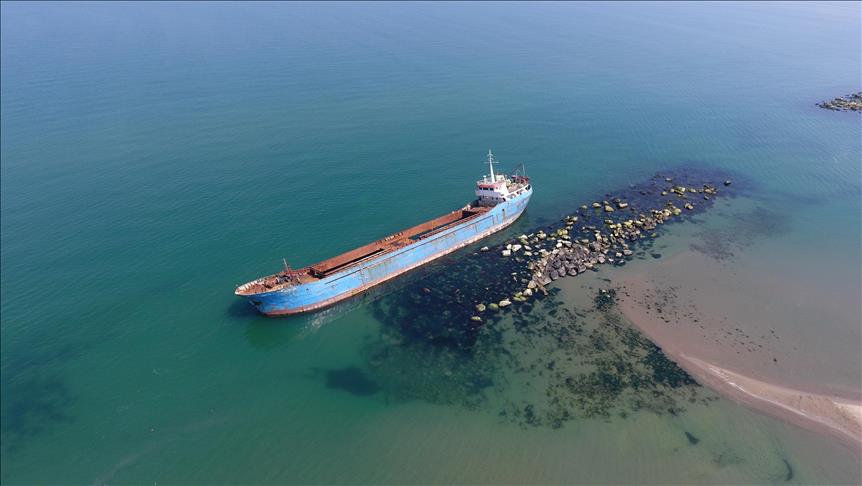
{"type": "Point", "coordinates": [494, 189]}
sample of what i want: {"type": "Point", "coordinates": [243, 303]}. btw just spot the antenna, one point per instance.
{"type": "Point", "coordinates": [289, 272]}
{"type": "Point", "coordinates": [491, 163]}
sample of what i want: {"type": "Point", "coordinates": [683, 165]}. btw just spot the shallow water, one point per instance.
{"type": "Point", "coordinates": [153, 156]}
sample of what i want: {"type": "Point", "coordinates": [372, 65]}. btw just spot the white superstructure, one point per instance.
{"type": "Point", "coordinates": [494, 189]}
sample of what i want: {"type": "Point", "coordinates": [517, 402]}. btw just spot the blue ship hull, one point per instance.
{"type": "Point", "coordinates": [361, 276]}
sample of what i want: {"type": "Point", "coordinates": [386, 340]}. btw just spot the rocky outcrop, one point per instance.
{"type": "Point", "coordinates": [850, 102]}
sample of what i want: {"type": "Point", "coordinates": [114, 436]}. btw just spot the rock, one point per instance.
{"type": "Point", "coordinates": [528, 292]}
{"type": "Point", "coordinates": [492, 306]}
{"type": "Point", "coordinates": [851, 102]}
{"type": "Point", "coordinates": [727, 182]}
{"type": "Point", "coordinates": [597, 205]}
{"type": "Point", "coordinates": [528, 253]}
{"type": "Point", "coordinates": [484, 248]}
{"type": "Point", "coordinates": [507, 253]}
{"type": "Point", "coordinates": [622, 205]}
{"type": "Point", "coordinates": [504, 303]}
{"type": "Point", "coordinates": [689, 206]}
{"type": "Point", "coordinates": [516, 247]}
{"type": "Point", "coordinates": [608, 208]}
{"type": "Point", "coordinates": [476, 319]}
{"type": "Point", "coordinates": [627, 252]}
{"type": "Point", "coordinates": [480, 307]}
{"type": "Point", "coordinates": [531, 284]}
{"type": "Point", "coordinates": [554, 275]}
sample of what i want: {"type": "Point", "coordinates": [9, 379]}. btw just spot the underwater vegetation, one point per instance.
{"type": "Point", "coordinates": [33, 406]}
{"type": "Point", "coordinates": [534, 362]}
{"type": "Point", "coordinates": [352, 380]}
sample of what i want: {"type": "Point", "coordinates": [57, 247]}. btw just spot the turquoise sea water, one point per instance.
{"type": "Point", "coordinates": [156, 155]}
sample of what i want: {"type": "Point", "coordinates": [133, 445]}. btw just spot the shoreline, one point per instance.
{"type": "Point", "coordinates": [830, 414]}
{"type": "Point", "coordinates": [836, 416]}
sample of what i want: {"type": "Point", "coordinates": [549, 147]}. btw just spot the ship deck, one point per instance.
{"type": "Point", "coordinates": [362, 254]}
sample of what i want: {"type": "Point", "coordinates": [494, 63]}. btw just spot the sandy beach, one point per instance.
{"type": "Point", "coordinates": [838, 416]}
{"type": "Point", "coordinates": [736, 347]}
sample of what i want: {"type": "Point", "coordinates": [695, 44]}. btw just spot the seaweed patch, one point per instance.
{"type": "Point", "coordinates": [484, 332]}
{"type": "Point", "coordinates": [789, 475]}
{"type": "Point", "coordinates": [692, 440]}
{"type": "Point", "coordinates": [745, 229]}
{"type": "Point", "coordinates": [31, 407]}
{"type": "Point", "coordinates": [352, 380]}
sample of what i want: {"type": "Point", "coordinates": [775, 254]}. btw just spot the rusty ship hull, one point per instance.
{"type": "Point", "coordinates": [346, 275]}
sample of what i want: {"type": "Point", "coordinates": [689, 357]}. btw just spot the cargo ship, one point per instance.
{"type": "Point", "coordinates": [500, 200]}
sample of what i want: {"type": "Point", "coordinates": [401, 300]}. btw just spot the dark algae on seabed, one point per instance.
{"type": "Point", "coordinates": [482, 330]}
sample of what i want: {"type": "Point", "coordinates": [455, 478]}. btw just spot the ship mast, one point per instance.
{"type": "Point", "coordinates": [491, 163]}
